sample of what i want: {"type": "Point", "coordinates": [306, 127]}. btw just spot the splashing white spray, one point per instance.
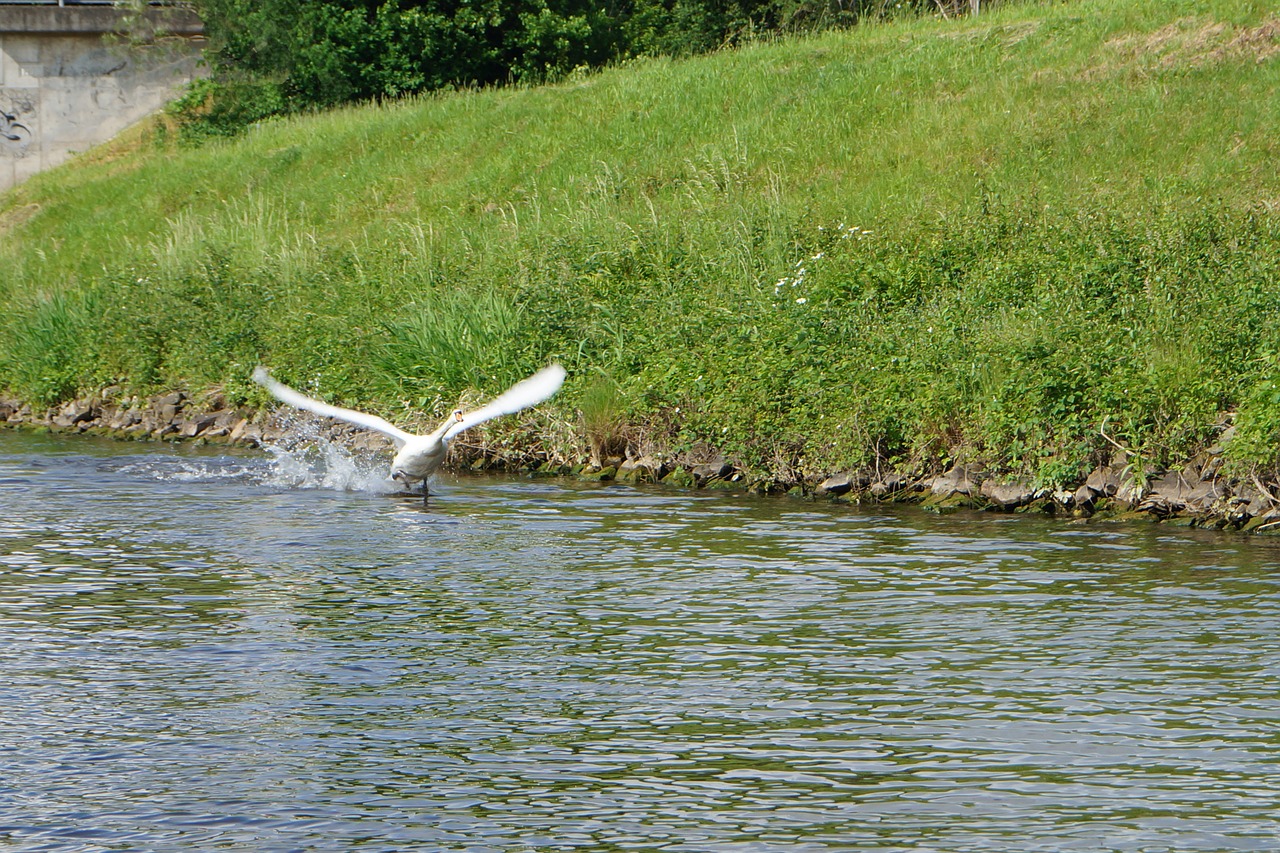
{"type": "Point", "coordinates": [306, 458]}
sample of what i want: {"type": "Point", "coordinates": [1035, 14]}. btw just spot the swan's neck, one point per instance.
{"type": "Point", "coordinates": [438, 435]}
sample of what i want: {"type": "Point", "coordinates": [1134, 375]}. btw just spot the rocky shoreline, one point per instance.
{"type": "Point", "coordinates": [173, 416]}
{"type": "Point", "coordinates": [1192, 495]}
{"type": "Point", "coordinates": [1195, 494]}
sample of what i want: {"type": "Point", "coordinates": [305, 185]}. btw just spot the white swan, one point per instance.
{"type": "Point", "coordinates": [418, 456]}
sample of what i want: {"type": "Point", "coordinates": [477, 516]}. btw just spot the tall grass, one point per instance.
{"type": "Point", "coordinates": [451, 340]}
{"type": "Point", "coordinates": [50, 345]}
{"type": "Point", "coordinates": [909, 242]}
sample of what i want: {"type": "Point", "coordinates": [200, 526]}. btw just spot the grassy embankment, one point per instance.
{"type": "Point", "coordinates": [904, 244]}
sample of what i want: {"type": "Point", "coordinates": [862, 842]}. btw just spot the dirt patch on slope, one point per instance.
{"type": "Point", "coordinates": [1195, 42]}
{"type": "Point", "coordinates": [15, 216]}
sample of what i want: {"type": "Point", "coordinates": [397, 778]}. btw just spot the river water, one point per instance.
{"type": "Point", "coordinates": [228, 651]}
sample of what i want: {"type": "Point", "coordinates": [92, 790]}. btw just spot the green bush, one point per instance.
{"type": "Point", "coordinates": [280, 56]}
{"type": "Point", "coordinates": [224, 107]}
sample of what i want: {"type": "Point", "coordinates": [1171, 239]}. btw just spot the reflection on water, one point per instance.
{"type": "Point", "coordinates": [209, 651]}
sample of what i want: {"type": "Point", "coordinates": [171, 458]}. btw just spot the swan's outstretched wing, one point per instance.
{"type": "Point", "coordinates": [300, 401]}
{"type": "Point", "coordinates": [522, 395]}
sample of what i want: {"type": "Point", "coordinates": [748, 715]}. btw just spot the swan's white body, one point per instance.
{"type": "Point", "coordinates": [419, 456]}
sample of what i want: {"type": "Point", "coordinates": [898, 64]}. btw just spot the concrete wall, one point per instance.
{"type": "Point", "coordinates": [67, 83]}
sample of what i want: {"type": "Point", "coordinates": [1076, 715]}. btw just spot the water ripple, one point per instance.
{"type": "Point", "coordinates": [201, 652]}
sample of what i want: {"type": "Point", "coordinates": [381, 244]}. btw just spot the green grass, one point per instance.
{"type": "Point", "coordinates": [1062, 213]}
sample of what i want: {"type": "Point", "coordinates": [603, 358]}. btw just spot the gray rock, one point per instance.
{"type": "Point", "coordinates": [1267, 522]}
{"type": "Point", "coordinates": [198, 424]}
{"type": "Point", "coordinates": [247, 432]}
{"type": "Point", "coordinates": [837, 484]}
{"type": "Point", "coordinates": [1203, 496]}
{"type": "Point", "coordinates": [173, 398]}
{"type": "Point", "coordinates": [960, 480]}
{"type": "Point", "coordinates": [653, 463]}
{"type": "Point", "coordinates": [1172, 487]}
{"type": "Point", "coordinates": [370, 442]}
{"type": "Point", "coordinates": [1014, 493]}
{"type": "Point", "coordinates": [125, 419]}
{"type": "Point", "coordinates": [1176, 491]}
{"type": "Point", "coordinates": [1104, 481]}
{"type": "Point", "coordinates": [223, 422]}
{"type": "Point", "coordinates": [888, 484]}
{"type": "Point", "coordinates": [1255, 502]}
{"type": "Point", "coordinates": [646, 469]}
{"type": "Point", "coordinates": [1223, 439]}
{"type": "Point", "coordinates": [709, 471]}
{"type": "Point", "coordinates": [1212, 467]}
{"type": "Point", "coordinates": [77, 413]}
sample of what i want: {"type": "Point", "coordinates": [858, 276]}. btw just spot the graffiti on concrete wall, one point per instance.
{"type": "Point", "coordinates": [12, 129]}
{"type": "Point", "coordinates": [16, 110]}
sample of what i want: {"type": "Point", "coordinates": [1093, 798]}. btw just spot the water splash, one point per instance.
{"type": "Point", "coordinates": [324, 464]}
{"type": "Point", "coordinates": [306, 457]}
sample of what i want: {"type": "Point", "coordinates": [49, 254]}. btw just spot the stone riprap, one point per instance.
{"type": "Point", "coordinates": [1196, 493]}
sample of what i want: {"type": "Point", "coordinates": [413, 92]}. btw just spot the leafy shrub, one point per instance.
{"type": "Point", "coordinates": [274, 56]}
{"type": "Point", "coordinates": [1257, 439]}
{"type": "Point", "coordinates": [224, 107]}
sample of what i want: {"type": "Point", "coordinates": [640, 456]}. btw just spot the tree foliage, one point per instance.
{"type": "Point", "coordinates": [272, 56]}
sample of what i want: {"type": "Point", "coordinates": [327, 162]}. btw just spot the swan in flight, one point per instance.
{"type": "Point", "coordinates": [418, 456]}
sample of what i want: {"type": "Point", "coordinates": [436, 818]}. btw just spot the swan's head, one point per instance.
{"type": "Point", "coordinates": [457, 415]}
